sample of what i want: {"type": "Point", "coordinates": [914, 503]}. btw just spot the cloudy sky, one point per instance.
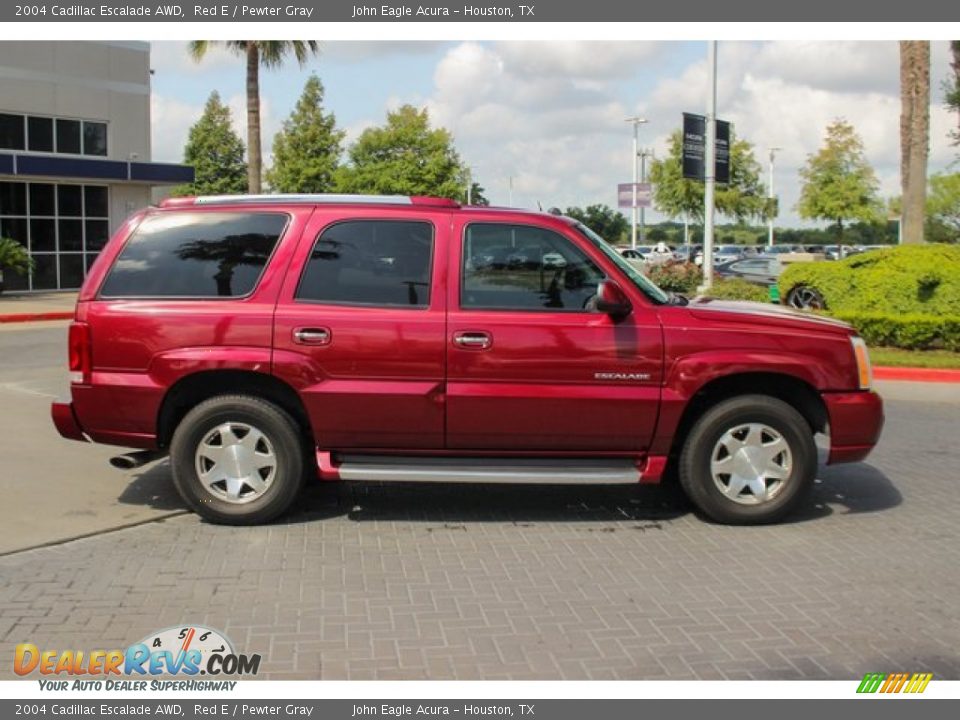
{"type": "Point", "coordinates": [551, 115]}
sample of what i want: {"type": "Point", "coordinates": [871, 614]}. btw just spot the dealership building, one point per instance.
{"type": "Point", "coordinates": [74, 152]}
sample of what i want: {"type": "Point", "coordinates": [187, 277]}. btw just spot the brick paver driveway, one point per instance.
{"type": "Point", "coordinates": [532, 583]}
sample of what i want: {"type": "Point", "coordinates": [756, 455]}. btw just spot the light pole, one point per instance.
{"type": "Point", "coordinates": [637, 122]}
{"type": "Point", "coordinates": [773, 154]}
{"type": "Point", "coordinates": [710, 166]}
{"type": "Point", "coordinates": [644, 154]}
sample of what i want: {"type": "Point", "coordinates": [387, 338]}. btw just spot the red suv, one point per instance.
{"type": "Point", "coordinates": [265, 340]}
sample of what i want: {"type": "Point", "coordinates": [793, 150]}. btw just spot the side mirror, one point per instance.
{"type": "Point", "coordinates": [612, 300]}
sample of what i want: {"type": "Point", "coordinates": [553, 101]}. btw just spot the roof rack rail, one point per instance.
{"type": "Point", "coordinates": [310, 198]}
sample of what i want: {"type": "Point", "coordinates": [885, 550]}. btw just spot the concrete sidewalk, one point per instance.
{"type": "Point", "coordinates": [26, 307]}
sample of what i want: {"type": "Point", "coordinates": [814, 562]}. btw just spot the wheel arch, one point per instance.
{"type": "Point", "coordinates": [193, 389]}
{"type": "Point", "coordinates": [797, 393]}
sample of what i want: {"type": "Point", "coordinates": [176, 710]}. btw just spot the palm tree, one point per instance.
{"type": "Point", "coordinates": [270, 54]}
{"type": "Point", "coordinates": [914, 134]}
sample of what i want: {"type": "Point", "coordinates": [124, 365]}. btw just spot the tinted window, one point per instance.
{"type": "Point", "coordinates": [195, 255]}
{"type": "Point", "coordinates": [370, 262]}
{"type": "Point", "coordinates": [41, 199]}
{"type": "Point", "coordinates": [68, 136]}
{"type": "Point", "coordinates": [11, 132]}
{"type": "Point", "coordinates": [525, 268]}
{"type": "Point", "coordinates": [40, 130]}
{"type": "Point", "coordinates": [43, 235]}
{"type": "Point", "coordinates": [13, 198]}
{"type": "Point", "coordinates": [97, 234]}
{"type": "Point", "coordinates": [94, 138]}
{"type": "Point", "coordinates": [95, 201]}
{"type": "Point", "coordinates": [70, 200]}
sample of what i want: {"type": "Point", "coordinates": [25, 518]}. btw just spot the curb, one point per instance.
{"type": "Point", "coordinates": [36, 317]}
{"type": "Point", "coordinates": [910, 374]}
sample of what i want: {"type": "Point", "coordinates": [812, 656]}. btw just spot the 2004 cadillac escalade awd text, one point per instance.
{"type": "Point", "coordinates": [263, 341]}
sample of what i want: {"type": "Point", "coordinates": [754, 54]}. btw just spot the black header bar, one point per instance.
{"type": "Point", "coordinates": [306, 11]}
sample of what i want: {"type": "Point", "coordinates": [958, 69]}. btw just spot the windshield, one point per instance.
{"type": "Point", "coordinates": [636, 277]}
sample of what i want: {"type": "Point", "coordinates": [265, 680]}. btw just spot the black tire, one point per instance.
{"type": "Point", "coordinates": [804, 297]}
{"type": "Point", "coordinates": [286, 443]}
{"type": "Point", "coordinates": [694, 466]}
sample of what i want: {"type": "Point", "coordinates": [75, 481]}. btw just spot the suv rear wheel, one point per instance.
{"type": "Point", "coordinates": [748, 460]}
{"type": "Point", "coordinates": [237, 460]}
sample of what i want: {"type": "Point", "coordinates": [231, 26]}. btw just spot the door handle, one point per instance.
{"type": "Point", "coordinates": [312, 336]}
{"type": "Point", "coordinates": [473, 340]}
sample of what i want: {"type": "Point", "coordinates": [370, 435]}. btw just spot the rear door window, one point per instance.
{"type": "Point", "coordinates": [382, 263]}
{"type": "Point", "coordinates": [194, 255]}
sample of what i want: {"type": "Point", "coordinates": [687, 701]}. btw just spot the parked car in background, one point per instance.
{"type": "Point", "coordinates": [687, 253]}
{"type": "Point", "coordinates": [270, 340]}
{"type": "Point", "coordinates": [839, 252]}
{"type": "Point", "coordinates": [757, 270]}
{"type": "Point", "coordinates": [726, 253]}
{"type": "Point", "coordinates": [637, 256]}
{"type": "Point", "coordinates": [783, 249]}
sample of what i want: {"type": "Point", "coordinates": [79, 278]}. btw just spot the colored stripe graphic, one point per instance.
{"type": "Point", "coordinates": [894, 682]}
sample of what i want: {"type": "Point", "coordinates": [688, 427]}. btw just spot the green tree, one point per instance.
{"type": "Point", "coordinates": [606, 222]}
{"type": "Point", "coordinates": [13, 258]}
{"type": "Point", "coordinates": [216, 153]}
{"type": "Point", "coordinates": [676, 196]}
{"type": "Point", "coordinates": [943, 207]}
{"type": "Point", "coordinates": [914, 134]}
{"type": "Point", "coordinates": [269, 54]}
{"type": "Point", "coordinates": [952, 87]}
{"type": "Point", "coordinates": [838, 183]}
{"type": "Point", "coordinates": [306, 152]}
{"type": "Point", "coordinates": [405, 157]}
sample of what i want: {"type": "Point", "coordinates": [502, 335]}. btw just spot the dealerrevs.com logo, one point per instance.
{"type": "Point", "coordinates": [179, 651]}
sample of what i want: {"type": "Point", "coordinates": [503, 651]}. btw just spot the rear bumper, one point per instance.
{"type": "Point", "coordinates": [856, 420]}
{"type": "Point", "coordinates": [66, 421]}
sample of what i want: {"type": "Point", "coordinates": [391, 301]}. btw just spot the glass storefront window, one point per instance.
{"type": "Point", "coordinates": [62, 225]}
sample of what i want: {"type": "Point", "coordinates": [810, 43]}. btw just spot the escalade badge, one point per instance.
{"type": "Point", "coordinates": [620, 376]}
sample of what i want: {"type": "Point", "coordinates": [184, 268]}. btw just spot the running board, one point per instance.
{"type": "Point", "coordinates": [557, 471]}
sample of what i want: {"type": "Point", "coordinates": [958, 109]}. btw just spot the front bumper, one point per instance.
{"type": "Point", "coordinates": [856, 420]}
{"type": "Point", "coordinates": [66, 421]}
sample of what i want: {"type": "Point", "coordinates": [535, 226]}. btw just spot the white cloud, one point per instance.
{"type": "Point", "coordinates": [172, 120]}
{"type": "Point", "coordinates": [170, 124]}
{"type": "Point", "coordinates": [551, 114]}
{"type": "Point", "coordinates": [353, 50]}
{"type": "Point", "coordinates": [173, 58]}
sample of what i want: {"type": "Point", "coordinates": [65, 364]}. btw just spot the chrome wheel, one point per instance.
{"type": "Point", "coordinates": [236, 462]}
{"type": "Point", "coordinates": [806, 298]}
{"type": "Point", "coordinates": [750, 463]}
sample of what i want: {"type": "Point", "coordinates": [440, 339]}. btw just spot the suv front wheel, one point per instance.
{"type": "Point", "coordinates": [237, 460]}
{"type": "Point", "coordinates": [748, 460]}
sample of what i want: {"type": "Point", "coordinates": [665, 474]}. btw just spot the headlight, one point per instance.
{"type": "Point", "coordinates": [862, 356]}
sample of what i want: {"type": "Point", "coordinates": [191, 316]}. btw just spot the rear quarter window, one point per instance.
{"type": "Point", "coordinates": [195, 255]}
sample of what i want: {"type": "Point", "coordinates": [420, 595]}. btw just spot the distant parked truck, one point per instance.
{"type": "Point", "coordinates": [265, 341]}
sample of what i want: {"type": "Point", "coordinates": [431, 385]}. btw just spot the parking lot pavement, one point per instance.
{"type": "Point", "coordinates": [53, 489]}
{"type": "Point", "coordinates": [461, 582]}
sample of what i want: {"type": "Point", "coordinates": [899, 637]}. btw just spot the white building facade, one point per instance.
{"type": "Point", "coordinates": [74, 152]}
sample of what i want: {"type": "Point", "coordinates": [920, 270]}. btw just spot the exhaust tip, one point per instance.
{"type": "Point", "coordinates": [124, 462]}
{"type": "Point", "coordinates": [131, 461]}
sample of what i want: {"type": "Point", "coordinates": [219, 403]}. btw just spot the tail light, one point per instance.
{"type": "Point", "coordinates": [80, 353]}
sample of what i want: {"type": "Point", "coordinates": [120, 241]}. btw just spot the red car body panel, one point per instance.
{"type": "Point", "coordinates": [396, 381]}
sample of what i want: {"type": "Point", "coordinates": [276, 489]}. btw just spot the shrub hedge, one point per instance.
{"type": "Point", "coordinates": [911, 332]}
{"type": "Point", "coordinates": [910, 279]}
{"type": "Point", "coordinates": [737, 289]}
{"type": "Point", "coordinates": [676, 276]}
